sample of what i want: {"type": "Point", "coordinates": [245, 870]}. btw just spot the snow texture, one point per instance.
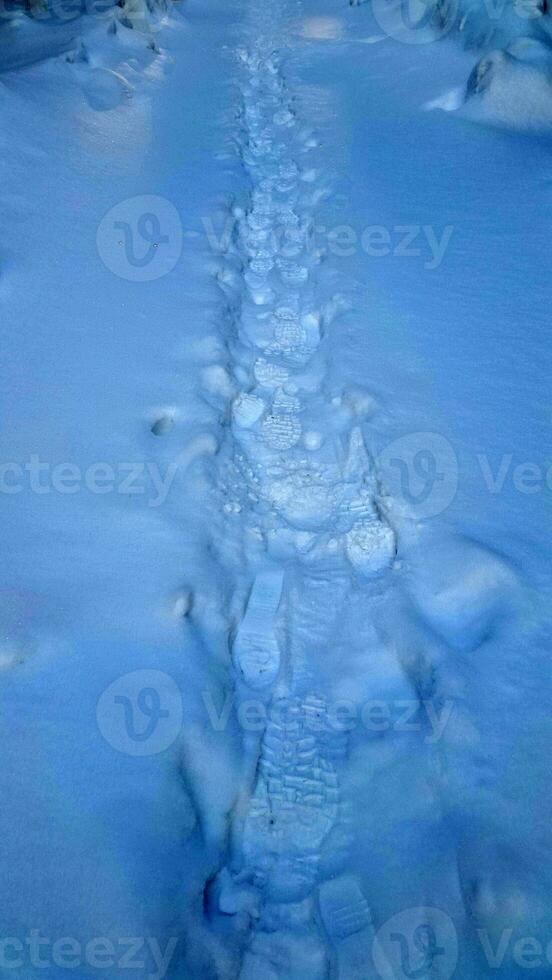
{"type": "Point", "coordinates": [274, 629]}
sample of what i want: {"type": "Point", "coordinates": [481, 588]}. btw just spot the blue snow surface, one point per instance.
{"type": "Point", "coordinates": [276, 473]}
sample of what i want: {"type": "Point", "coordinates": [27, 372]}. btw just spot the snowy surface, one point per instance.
{"type": "Point", "coordinates": [274, 631]}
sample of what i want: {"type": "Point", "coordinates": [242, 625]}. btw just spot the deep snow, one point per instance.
{"type": "Point", "coordinates": [285, 319]}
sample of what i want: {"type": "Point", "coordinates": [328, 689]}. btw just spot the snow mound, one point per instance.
{"type": "Point", "coordinates": [506, 90]}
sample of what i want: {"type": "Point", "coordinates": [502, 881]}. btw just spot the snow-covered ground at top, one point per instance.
{"type": "Point", "coordinates": [274, 610]}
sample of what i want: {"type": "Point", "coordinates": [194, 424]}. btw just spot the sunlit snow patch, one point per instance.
{"type": "Point", "coordinates": [322, 28]}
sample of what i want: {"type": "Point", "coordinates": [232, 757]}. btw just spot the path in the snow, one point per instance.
{"type": "Point", "coordinates": [301, 495]}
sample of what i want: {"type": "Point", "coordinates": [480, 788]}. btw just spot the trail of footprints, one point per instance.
{"type": "Point", "coordinates": [312, 524]}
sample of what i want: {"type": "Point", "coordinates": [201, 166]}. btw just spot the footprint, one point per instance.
{"type": "Point", "coordinates": [291, 339]}
{"type": "Point", "coordinates": [247, 409]}
{"type": "Point", "coordinates": [288, 170]}
{"type": "Point", "coordinates": [259, 218]}
{"type": "Point", "coordinates": [289, 219]}
{"type": "Point", "coordinates": [304, 496]}
{"type": "Point", "coordinates": [348, 923]}
{"type": "Point", "coordinates": [294, 242]}
{"type": "Point", "coordinates": [269, 375]}
{"type": "Point", "coordinates": [289, 335]}
{"type": "Point", "coordinates": [255, 650]}
{"type": "Point", "coordinates": [292, 273]}
{"type": "Point", "coordinates": [261, 267]}
{"type": "Point", "coordinates": [285, 402]}
{"type": "Point", "coordinates": [281, 431]}
{"type": "Point", "coordinates": [296, 802]}
{"type": "Point", "coordinates": [370, 547]}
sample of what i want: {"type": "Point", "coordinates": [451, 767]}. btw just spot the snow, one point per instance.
{"type": "Point", "coordinates": [274, 610]}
